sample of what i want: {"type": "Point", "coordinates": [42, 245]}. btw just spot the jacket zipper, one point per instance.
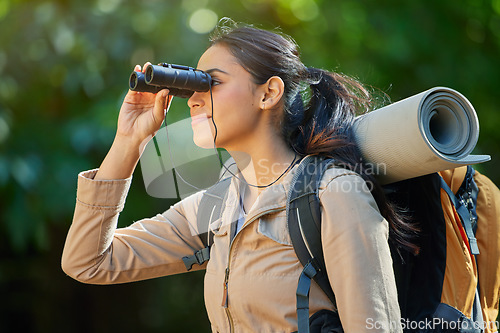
{"type": "Point", "coordinates": [224, 297]}
{"type": "Point", "coordinates": [225, 300]}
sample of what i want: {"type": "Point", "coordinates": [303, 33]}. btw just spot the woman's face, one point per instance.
{"type": "Point", "coordinates": [236, 103]}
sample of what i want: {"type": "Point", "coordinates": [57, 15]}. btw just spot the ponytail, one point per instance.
{"type": "Point", "coordinates": [323, 126]}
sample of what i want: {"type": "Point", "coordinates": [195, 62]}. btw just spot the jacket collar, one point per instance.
{"type": "Point", "coordinates": [272, 198]}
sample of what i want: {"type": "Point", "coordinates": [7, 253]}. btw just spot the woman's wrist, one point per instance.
{"type": "Point", "coordinates": [122, 158]}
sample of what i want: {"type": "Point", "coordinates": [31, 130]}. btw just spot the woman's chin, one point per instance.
{"type": "Point", "coordinates": [203, 142]}
{"type": "Point", "coordinates": [202, 135]}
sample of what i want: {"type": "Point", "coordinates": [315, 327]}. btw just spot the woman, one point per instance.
{"type": "Point", "coordinates": [255, 111]}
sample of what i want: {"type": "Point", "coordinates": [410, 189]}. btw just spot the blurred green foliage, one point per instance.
{"type": "Point", "coordinates": [64, 69]}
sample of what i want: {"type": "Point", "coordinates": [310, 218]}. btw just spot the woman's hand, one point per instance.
{"type": "Point", "coordinates": [142, 114]}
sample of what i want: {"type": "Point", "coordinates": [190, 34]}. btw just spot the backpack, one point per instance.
{"type": "Point", "coordinates": [433, 205]}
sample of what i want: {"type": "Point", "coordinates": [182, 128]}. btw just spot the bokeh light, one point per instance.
{"type": "Point", "coordinates": [304, 10]}
{"type": "Point", "coordinates": [203, 21]}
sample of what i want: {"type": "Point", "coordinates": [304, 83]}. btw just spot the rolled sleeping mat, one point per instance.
{"type": "Point", "coordinates": [432, 131]}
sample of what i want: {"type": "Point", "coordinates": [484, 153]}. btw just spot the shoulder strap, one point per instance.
{"type": "Point", "coordinates": [467, 193]}
{"type": "Point", "coordinates": [465, 201]}
{"type": "Point", "coordinates": [304, 225]}
{"type": "Point", "coordinates": [209, 210]}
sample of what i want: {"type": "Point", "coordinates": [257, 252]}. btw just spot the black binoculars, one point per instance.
{"type": "Point", "coordinates": [181, 81]}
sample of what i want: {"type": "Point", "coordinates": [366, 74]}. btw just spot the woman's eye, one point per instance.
{"type": "Point", "coordinates": [215, 82]}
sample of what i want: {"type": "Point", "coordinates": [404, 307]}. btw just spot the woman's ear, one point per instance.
{"type": "Point", "coordinates": [274, 89]}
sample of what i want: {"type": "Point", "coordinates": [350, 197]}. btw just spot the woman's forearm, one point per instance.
{"type": "Point", "coordinates": [121, 160]}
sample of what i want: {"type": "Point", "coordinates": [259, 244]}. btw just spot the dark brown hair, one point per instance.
{"type": "Point", "coordinates": [319, 108]}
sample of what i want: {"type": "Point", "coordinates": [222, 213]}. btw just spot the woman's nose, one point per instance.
{"type": "Point", "coordinates": [195, 100]}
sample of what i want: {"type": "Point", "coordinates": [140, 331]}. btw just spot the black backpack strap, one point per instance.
{"type": "Point", "coordinates": [467, 193]}
{"type": "Point", "coordinates": [304, 225]}
{"type": "Point", "coordinates": [209, 210]}
{"type": "Point", "coordinates": [465, 204]}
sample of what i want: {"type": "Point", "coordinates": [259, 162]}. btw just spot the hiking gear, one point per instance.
{"type": "Point", "coordinates": [305, 225]}
{"type": "Point", "coordinates": [436, 129]}
{"type": "Point", "coordinates": [413, 273]}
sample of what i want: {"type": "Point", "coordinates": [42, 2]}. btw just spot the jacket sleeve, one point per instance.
{"type": "Point", "coordinates": [357, 257]}
{"type": "Point", "coordinates": [97, 252]}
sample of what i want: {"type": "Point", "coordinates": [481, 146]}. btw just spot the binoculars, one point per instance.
{"type": "Point", "coordinates": [181, 81]}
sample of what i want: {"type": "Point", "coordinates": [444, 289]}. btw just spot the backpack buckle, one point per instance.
{"type": "Point", "coordinates": [199, 257]}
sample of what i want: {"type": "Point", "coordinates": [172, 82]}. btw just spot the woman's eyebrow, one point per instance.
{"type": "Point", "coordinates": [210, 71]}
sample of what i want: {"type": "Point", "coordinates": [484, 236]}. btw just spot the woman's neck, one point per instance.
{"type": "Point", "coordinates": [260, 169]}
{"type": "Point", "coordinates": [264, 164]}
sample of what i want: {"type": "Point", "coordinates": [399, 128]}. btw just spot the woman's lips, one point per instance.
{"type": "Point", "coordinates": [198, 119]}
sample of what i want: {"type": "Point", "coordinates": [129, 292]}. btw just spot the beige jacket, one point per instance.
{"type": "Point", "coordinates": [258, 263]}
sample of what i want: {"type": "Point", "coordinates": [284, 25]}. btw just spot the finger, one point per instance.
{"type": "Point", "coordinates": [137, 68]}
{"type": "Point", "coordinates": [161, 104]}
{"type": "Point", "coordinates": [145, 66]}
